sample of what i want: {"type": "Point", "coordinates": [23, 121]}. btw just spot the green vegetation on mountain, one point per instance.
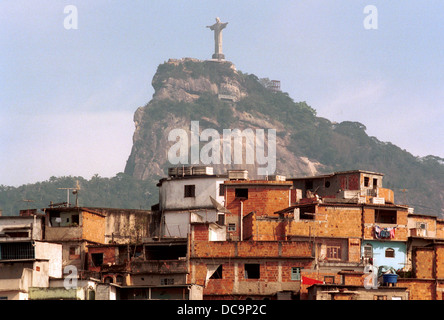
{"type": "Point", "coordinates": [120, 191]}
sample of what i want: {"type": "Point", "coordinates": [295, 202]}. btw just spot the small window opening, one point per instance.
{"type": "Point", "coordinates": [390, 253]}
{"type": "Point", "coordinates": [231, 227]}
{"type": "Point", "coordinates": [241, 193]}
{"type": "Point", "coordinates": [190, 191]}
{"type": "Point", "coordinates": [217, 274]}
{"type": "Point", "coordinates": [252, 271]}
{"type": "Point", "coordinates": [366, 181]}
{"type": "Point", "coordinates": [97, 259]}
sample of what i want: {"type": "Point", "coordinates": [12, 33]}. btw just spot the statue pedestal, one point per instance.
{"type": "Point", "coordinates": [218, 56]}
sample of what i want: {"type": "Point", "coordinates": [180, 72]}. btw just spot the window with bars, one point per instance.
{"type": "Point", "coordinates": [16, 251]}
{"type": "Point", "coordinates": [190, 191]}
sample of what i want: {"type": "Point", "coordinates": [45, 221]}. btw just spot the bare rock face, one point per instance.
{"type": "Point", "coordinates": [185, 81]}
{"type": "Point", "coordinates": [186, 90]}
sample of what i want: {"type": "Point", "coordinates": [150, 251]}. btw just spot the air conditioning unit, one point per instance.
{"type": "Point", "coordinates": [376, 200]}
{"type": "Point", "coordinates": [202, 170]}
{"type": "Point", "coordinates": [237, 174]}
{"type": "Point", "coordinates": [277, 178]}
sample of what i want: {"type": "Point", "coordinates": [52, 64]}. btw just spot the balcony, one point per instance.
{"type": "Point", "coordinates": [159, 266]}
{"type": "Point", "coordinates": [63, 233]}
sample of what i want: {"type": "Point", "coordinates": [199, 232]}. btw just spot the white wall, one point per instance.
{"type": "Point", "coordinates": [23, 222]}
{"type": "Point", "coordinates": [176, 223]}
{"type": "Point", "coordinates": [171, 192]}
{"type": "Point", "coordinates": [52, 252]}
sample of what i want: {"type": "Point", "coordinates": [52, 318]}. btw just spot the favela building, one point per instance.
{"type": "Point", "coordinates": [339, 236]}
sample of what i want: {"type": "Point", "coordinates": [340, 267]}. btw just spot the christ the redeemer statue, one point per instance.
{"type": "Point", "coordinates": [217, 28]}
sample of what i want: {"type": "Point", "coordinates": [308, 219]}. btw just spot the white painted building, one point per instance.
{"type": "Point", "coordinates": [190, 195]}
{"type": "Point", "coordinates": [25, 260]}
{"type": "Point", "coordinates": [21, 227]}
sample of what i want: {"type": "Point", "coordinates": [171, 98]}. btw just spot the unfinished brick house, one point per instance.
{"type": "Point", "coordinates": [344, 221]}
{"type": "Point", "coordinates": [150, 270]}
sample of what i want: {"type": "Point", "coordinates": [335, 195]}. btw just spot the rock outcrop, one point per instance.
{"type": "Point", "coordinates": [185, 81]}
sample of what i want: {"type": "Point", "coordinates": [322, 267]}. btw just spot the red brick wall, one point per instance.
{"type": "Point", "coordinates": [264, 199]}
{"type": "Point", "coordinates": [335, 222]}
{"type": "Point", "coordinates": [423, 259]}
{"type": "Point", "coordinates": [418, 289]}
{"type": "Point", "coordinates": [200, 232]}
{"type": "Point", "coordinates": [401, 231]}
{"type": "Point", "coordinates": [269, 273]}
{"type": "Point", "coordinates": [109, 256]}
{"type": "Point", "coordinates": [439, 256]}
{"type": "Point", "coordinates": [218, 249]}
{"type": "Point", "coordinates": [440, 229]}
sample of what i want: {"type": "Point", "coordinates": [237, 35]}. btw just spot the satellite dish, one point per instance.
{"type": "Point", "coordinates": [219, 207]}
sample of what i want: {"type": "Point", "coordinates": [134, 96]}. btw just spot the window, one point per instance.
{"type": "Point", "coordinates": [221, 190]}
{"type": "Point", "coordinates": [75, 219]}
{"type": "Point", "coordinates": [221, 219]}
{"type": "Point", "coordinates": [295, 273]}
{"type": "Point", "coordinates": [327, 184]}
{"type": "Point", "coordinates": [241, 193]}
{"type": "Point", "coordinates": [97, 259]}
{"type": "Point", "coordinates": [189, 191]}
{"type": "Point", "coordinates": [368, 251]}
{"type": "Point", "coordinates": [334, 252]}
{"type": "Point", "coordinates": [252, 271]}
{"type": "Point", "coordinates": [119, 279]}
{"type": "Point", "coordinates": [217, 274]}
{"type": "Point", "coordinates": [366, 181]}
{"type": "Point", "coordinates": [329, 279]}
{"type": "Point", "coordinates": [368, 254]}
{"type": "Point", "coordinates": [74, 252]}
{"type": "Point", "coordinates": [16, 251]}
{"type": "Point", "coordinates": [307, 213]}
{"type": "Point", "coordinates": [166, 281]}
{"type": "Point", "coordinates": [380, 298]}
{"type": "Point", "coordinates": [308, 184]}
{"type": "Point", "coordinates": [108, 280]}
{"type": "Point", "coordinates": [389, 253]}
{"type": "Point", "coordinates": [385, 216]}
{"type": "Point", "coordinates": [231, 227]}
{"type": "Point", "coordinates": [375, 183]}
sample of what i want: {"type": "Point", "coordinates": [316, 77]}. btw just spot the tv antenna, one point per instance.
{"type": "Point", "coordinates": [75, 192]}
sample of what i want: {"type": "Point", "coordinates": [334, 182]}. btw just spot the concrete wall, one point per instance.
{"type": "Point", "coordinates": [171, 192]}
{"type": "Point", "coordinates": [430, 222]}
{"type": "Point", "coordinates": [93, 227]}
{"type": "Point", "coordinates": [56, 294]}
{"type": "Point", "coordinates": [122, 225]}
{"type": "Point", "coordinates": [52, 252]}
{"type": "Point", "coordinates": [31, 222]}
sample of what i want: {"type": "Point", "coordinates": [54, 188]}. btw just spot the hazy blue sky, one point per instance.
{"type": "Point", "coordinates": [68, 96]}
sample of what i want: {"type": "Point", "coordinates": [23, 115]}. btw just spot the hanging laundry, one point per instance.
{"type": "Point", "coordinates": [377, 231]}
{"type": "Point", "coordinates": [392, 233]}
